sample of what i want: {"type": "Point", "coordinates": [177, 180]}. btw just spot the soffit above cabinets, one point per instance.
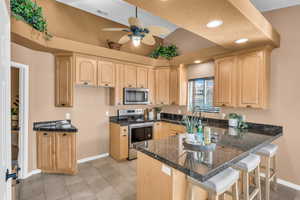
{"type": "Point", "coordinates": [240, 20]}
{"type": "Point", "coordinates": [118, 11]}
{"type": "Point", "coordinates": [266, 5]}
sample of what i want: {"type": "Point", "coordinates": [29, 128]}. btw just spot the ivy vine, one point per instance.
{"type": "Point", "coordinates": [31, 13]}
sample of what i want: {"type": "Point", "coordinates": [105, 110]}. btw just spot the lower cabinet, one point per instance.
{"type": "Point", "coordinates": [118, 141]}
{"type": "Point", "coordinates": [56, 152]}
{"type": "Point", "coordinates": [164, 129]}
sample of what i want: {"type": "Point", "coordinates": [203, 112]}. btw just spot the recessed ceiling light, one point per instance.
{"type": "Point", "coordinates": [214, 23]}
{"type": "Point", "coordinates": [197, 61]}
{"type": "Point", "coordinates": [242, 40]}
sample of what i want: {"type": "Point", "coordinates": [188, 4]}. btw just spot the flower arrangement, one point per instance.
{"type": "Point", "coordinates": [192, 122]}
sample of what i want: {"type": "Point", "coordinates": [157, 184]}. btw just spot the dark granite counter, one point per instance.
{"type": "Point", "coordinates": [122, 122]}
{"type": "Point", "coordinates": [231, 146]}
{"type": "Point", "coordinates": [57, 126]}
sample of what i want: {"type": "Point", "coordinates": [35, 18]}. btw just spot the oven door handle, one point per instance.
{"type": "Point", "coordinates": [142, 125]}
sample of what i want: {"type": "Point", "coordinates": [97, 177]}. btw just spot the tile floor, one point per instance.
{"type": "Point", "coordinates": [103, 179]}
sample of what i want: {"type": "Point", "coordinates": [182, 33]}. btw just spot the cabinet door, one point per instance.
{"type": "Point", "coordinates": [64, 85]}
{"type": "Point", "coordinates": [225, 82]}
{"type": "Point", "coordinates": [130, 76]}
{"type": "Point", "coordinates": [251, 82]}
{"type": "Point", "coordinates": [86, 70]}
{"type": "Point", "coordinates": [157, 131]}
{"type": "Point", "coordinates": [65, 144]}
{"type": "Point", "coordinates": [174, 86]}
{"type": "Point", "coordinates": [106, 73]}
{"type": "Point", "coordinates": [163, 86]}
{"type": "Point", "coordinates": [142, 77]}
{"type": "Point", "coordinates": [151, 85]}
{"type": "Point", "coordinates": [116, 93]}
{"type": "Point", "coordinates": [123, 142]}
{"type": "Point", "coordinates": [46, 151]}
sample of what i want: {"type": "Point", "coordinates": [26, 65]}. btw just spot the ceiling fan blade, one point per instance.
{"type": "Point", "coordinates": [115, 29]}
{"type": "Point", "coordinates": [124, 39]}
{"type": "Point", "coordinates": [133, 21]}
{"type": "Point", "coordinates": [148, 39]}
{"type": "Point", "coordinates": [158, 30]}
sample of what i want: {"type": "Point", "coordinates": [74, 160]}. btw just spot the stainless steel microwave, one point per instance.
{"type": "Point", "coordinates": [136, 96]}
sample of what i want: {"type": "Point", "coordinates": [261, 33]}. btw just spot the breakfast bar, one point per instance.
{"type": "Point", "coordinates": [165, 164]}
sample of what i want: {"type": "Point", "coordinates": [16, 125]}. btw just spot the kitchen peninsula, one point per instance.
{"type": "Point", "coordinates": [164, 164]}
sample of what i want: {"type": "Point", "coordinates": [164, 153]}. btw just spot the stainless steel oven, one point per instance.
{"type": "Point", "coordinates": [138, 133]}
{"type": "Point", "coordinates": [136, 96]}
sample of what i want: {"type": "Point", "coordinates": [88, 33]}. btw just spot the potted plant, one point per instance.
{"type": "Point", "coordinates": [29, 12]}
{"type": "Point", "coordinates": [191, 124]}
{"type": "Point", "coordinates": [233, 120]}
{"type": "Point", "coordinates": [167, 52]}
{"type": "Point", "coordinates": [158, 112]}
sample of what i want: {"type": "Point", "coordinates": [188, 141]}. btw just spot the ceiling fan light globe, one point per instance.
{"type": "Point", "coordinates": [136, 41]}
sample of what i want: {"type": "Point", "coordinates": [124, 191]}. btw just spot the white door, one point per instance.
{"type": "Point", "coordinates": [5, 141]}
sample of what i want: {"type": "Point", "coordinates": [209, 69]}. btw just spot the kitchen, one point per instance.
{"type": "Point", "coordinates": [97, 94]}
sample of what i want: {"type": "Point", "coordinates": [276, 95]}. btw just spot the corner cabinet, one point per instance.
{"type": "Point", "coordinates": [56, 152]}
{"type": "Point", "coordinates": [64, 80]}
{"type": "Point", "coordinates": [163, 86]}
{"type": "Point", "coordinates": [243, 80]}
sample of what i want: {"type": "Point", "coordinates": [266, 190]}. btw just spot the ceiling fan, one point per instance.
{"type": "Point", "coordinates": [137, 33]}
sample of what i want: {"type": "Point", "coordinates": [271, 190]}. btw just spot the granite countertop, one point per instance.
{"type": "Point", "coordinates": [116, 120]}
{"type": "Point", "coordinates": [231, 146]}
{"type": "Point", "coordinates": [57, 126]}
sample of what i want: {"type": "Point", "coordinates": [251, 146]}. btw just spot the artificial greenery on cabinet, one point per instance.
{"type": "Point", "coordinates": [167, 52]}
{"type": "Point", "coordinates": [31, 13]}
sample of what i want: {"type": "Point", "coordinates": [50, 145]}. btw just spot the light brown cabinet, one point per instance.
{"type": "Point", "coordinates": [57, 152]}
{"type": "Point", "coordinates": [164, 129]}
{"type": "Point", "coordinates": [157, 131]}
{"type": "Point", "coordinates": [242, 80]}
{"type": "Point", "coordinates": [130, 76]}
{"type": "Point", "coordinates": [151, 86]}
{"type": "Point", "coordinates": [178, 85]}
{"type": "Point", "coordinates": [225, 82]}
{"type": "Point", "coordinates": [106, 73]}
{"type": "Point", "coordinates": [64, 84]}
{"type": "Point", "coordinates": [142, 77]}
{"type": "Point", "coordinates": [163, 86]}
{"type": "Point", "coordinates": [253, 79]}
{"type": "Point", "coordinates": [86, 70]}
{"type": "Point", "coordinates": [116, 93]}
{"type": "Point", "coordinates": [118, 141]}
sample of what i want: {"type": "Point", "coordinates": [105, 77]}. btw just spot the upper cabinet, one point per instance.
{"type": "Point", "coordinates": [253, 73]}
{"type": "Point", "coordinates": [142, 77]}
{"type": "Point", "coordinates": [151, 86]}
{"type": "Point", "coordinates": [178, 85]}
{"type": "Point", "coordinates": [116, 93]}
{"type": "Point", "coordinates": [163, 85]}
{"type": "Point", "coordinates": [130, 76]}
{"type": "Point", "coordinates": [225, 81]}
{"type": "Point", "coordinates": [64, 84]}
{"type": "Point", "coordinates": [86, 70]}
{"type": "Point", "coordinates": [106, 73]}
{"type": "Point", "coordinates": [243, 80]}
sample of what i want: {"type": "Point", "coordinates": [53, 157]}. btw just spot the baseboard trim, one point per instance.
{"type": "Point", "coordinates": [93, 158]}
{"type": "Point", "coordinates": [37, 171]}
{"type": "Point", "coordinates": [285, 183]}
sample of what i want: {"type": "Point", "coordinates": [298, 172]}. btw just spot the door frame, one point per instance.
{"type": "Point", "coordinates": [5, 115]}
{"type": "Point", "coordinates": [23, 117]}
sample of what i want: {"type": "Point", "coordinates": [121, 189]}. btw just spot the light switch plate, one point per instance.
{"type": "Point", "coordinates": [167, 170]}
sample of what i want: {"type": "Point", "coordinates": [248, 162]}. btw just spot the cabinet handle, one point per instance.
{"type": "Point", "coordinates": [124, 135]}
{"type": "Point", "coordinates": [223, 104]}
{"type": "Point", "coordinates": [124, 130]}
{"type": "Point", "coordinates": [45, 134]}
{"type": "Point", "coordinates": [130, 85]}
{"type": "Point", "coordinates": [64, 134]}
{"type": "Point", "coordinates": [85, 83]}
{"type": "Point", "coordinates": [249, 106]}
{"type": "Point", "coordinates": [106, 84]}
{"type": "Point", "coordinates": [63, 104]}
